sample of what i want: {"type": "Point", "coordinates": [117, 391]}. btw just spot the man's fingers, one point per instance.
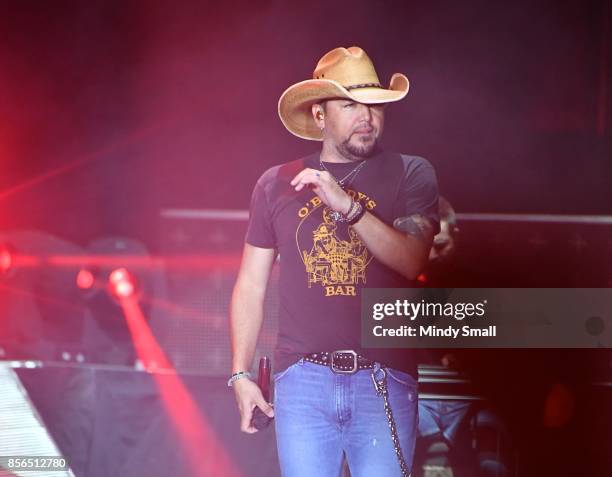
{"type": "Point", "coordinates": [311, 177]}
{"type": "Point", "coordinates": [246, 416]}
{"type": "Point", "coordinates": [266, 408]}
{"type": "Point", "coordinates": [299, 175]}
{"type": "Point", "coordinates": [245, 421]}
{"type": "Point", "coordinates": [307, 176]}
{"type": "Point", "coordinates": [300, 180]}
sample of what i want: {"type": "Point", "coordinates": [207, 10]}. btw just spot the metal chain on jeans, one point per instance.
{"type": "Point", "coordinates": [381, 390]}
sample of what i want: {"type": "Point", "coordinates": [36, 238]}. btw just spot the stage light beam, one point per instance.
{"type": "Point", "coordinates": [122, 284]}
{"type": "Point", "coordinates": [205, 452]}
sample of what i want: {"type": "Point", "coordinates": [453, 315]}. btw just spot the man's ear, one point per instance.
{"type": "Point", "coordinates": [318, 113]}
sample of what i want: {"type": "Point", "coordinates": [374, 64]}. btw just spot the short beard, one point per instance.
{"type": "Point", "coordinates": [354, 153]}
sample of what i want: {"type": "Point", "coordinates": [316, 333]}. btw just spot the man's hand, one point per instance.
{"type": "Point", "coordinates": [324, 185]}
{"type": "Point", "coordinates": [248, 396]}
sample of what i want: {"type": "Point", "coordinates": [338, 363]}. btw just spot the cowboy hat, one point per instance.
{"type": "Point", "coordinates": [343, 73]}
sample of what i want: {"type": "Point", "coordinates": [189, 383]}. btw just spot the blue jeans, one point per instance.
{"type": "Point", "coordinates": [441, 416]}
{"type": "Point", "coordinates": [320, 416]}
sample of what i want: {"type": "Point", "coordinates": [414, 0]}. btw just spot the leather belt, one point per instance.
{"type": "Point", "coordinates": [344, 361]}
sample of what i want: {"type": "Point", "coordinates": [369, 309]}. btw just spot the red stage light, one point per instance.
{"type": "Point", "coordinates": [122, 284]}
{"type": "Point", "coordinates": [6, 259]}
{"type": "Point", "coordinates": [85, 279]}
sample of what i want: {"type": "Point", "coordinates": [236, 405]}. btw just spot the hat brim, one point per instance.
{"type": "Point", "coordinates": [294, 105]}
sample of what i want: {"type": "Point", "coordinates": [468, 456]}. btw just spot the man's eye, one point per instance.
{"type": "Point", "coordinates": [349, 105]}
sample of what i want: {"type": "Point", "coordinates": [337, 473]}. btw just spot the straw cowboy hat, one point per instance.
{"type": "Point", "coordinates": [345, 73]}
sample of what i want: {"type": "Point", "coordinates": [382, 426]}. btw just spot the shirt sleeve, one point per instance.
{"type": "Point", "coordinates": [260, 232]}
{"type": "Point", "coordinates": [418, 193]}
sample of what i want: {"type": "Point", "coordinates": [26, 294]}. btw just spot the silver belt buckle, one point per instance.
{"type": "Point", "coordinates": [344, 371]}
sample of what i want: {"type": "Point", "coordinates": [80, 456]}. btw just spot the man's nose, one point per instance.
{"type": "Point", "coordinates": [364, 113]}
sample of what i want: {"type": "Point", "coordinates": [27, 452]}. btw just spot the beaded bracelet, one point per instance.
{"type": "Point", "coordinates": [236, 376]}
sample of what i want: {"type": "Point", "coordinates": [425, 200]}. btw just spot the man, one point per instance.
{"type": "Point", "coordinates": [456, 435]}
{"type": "Point", "coordinates": [347, 216]}
{"type": "Point", "coordinates": [440, 419]}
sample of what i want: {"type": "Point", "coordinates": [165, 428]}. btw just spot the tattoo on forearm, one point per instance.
{"type": "Point", "coordinates": [416, 225]}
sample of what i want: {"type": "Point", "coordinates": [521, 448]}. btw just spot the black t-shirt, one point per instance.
{"type": "Point", "coordinates": [324, 265]}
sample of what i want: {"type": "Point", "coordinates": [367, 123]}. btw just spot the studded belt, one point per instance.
{"type": "Point", "coordinates": [344, 361]}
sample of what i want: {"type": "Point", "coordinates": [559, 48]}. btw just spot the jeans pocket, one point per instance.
{"type": "Point", "coordinates": [404, 379]}
{"type": "Point", "coordinates": [282, 374]}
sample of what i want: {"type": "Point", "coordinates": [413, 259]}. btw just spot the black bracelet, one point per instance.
{"type": "Point", "coordinates": [359, 215]}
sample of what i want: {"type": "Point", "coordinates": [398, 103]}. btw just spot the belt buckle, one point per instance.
{"type": "Point", "coordinates": [344, 371]}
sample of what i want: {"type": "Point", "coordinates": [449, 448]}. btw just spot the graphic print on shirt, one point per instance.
{"type": "Point", "coordinates": [334, 256]}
